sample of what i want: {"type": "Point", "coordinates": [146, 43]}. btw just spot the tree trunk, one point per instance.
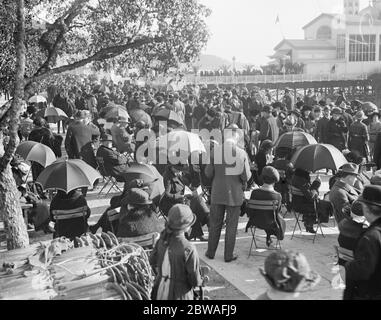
{"type": "Point", "coordinates": [17, 235]}
{"type": "Point", "coordinates": [15, 228]}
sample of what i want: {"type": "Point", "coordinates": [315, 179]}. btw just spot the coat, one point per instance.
{"type": "Point", "coordinates": [350, 233]}
{"type": "Point", "coordinates": [78, 134]}
{"type": "Point", "coordinates": [138, 222]}
{"type": "Point", "coordinates": [185, 266]}
{"type": "Point", "coordinates": [363, 274]}
{"type": "Point", "coordinates": [72, 227]}
{"type": "Point", "coordinates": [269, 129]}
{"type": "Point", "coordinates": [115, 163]}
{"type": "Point", "coordinates": [336, 133]}
{"type": "Point", "coordinates": [341, 195]}
{"type": "Point", "coordinates": [321, 130]}
{"type": "Point", "coordinates": [278, 227]}
{"type": "Point", "coordinates": [229, 181]}
{"type": "Point", "coordinates": [358, 137]}
{"type": "Point", "coordinates": [305, 204]}
{"type": "Point", "coordinates": [88, 154]}
{"type": "Point", "coordinates": [121, 139]}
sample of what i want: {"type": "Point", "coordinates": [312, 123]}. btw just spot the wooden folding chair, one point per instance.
{"type": "Point", "coordinates": [112, 216]}
{"type": "Point", "coordinates": [107, 178]}
{"type": "Point", "coordinates": [61, 215]}
{"type": "Point", "coordinates": [147, 241]}
{"type": "Point", "coordinates": [263, 214]}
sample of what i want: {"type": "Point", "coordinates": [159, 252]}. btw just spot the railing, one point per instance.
{"type": "Point", "coordinates": [190, 79]}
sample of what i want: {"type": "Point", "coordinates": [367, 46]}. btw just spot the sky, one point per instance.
{"type": "Point", "coordinates": [246, 29]}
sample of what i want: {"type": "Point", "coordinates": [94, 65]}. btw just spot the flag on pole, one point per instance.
{"type": "Point", "coordinates": [277, 19]}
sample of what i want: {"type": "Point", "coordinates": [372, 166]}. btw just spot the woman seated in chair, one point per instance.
{"type": "Point", "coordinates": [69, 228]}
{"type": "Point", "coordinates": [305, 204]}
{"type": "Point", "coordinates": [176, 179]}
{"type": "Point", "coordinates": [152, 188]}
{"type": "Point", "coordinates": [269, 176]}
{"type": "Point", "coordinates": [285, 168]}
{"type": "Point", "coordinates": [137, 217]}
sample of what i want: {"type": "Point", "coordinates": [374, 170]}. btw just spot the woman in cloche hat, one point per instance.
{"type": "Point", "coordinates": [136, 215]}
{"type": "Point", "coordinates": [175, 259]}
{"type": "Point", "coordinates": [288, 273]}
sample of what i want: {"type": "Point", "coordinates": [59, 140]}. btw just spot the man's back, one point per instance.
{"type": "Point", "coordinates": [230, 173]}
{"type": "Point", "coordinates": [78, 135]}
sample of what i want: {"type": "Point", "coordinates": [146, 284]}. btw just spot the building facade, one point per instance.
{"type": "Point", "coordinates": [348, 43]}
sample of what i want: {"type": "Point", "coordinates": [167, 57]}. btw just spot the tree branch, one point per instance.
{"type": "Point", "coordinates": [62, 24]}
{"type": "Point", "coordinates": [103, 54]}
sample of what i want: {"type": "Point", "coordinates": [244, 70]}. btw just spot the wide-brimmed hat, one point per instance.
{"type": "Point", "coordinates": [337, 110]}
{"type": "Point", "coordinates": [306, 108]}
{"type": "Point", "coordinates": [106, 138]}
{"type": "Point", "coordinates": [289, 271]}
{"type": "Point", "coordinates": [180, 217]}
{"type": "Point", "coordinates": [360, 115]}
{"type": "Point", "coordinates": [137, 197]}
{"type": "Point", "coordinates": [371, 195]}
{"type": "Point", "coordinates": [350, 168]}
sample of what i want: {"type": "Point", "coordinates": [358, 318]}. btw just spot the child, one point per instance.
{"type": "Point", "coordinates": [288, 274]}
{"type": "Point", "coordinates": [175, 259]}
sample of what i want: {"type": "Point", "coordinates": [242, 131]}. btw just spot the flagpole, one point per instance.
{"type": "Point", "coordinates": [277, 21]}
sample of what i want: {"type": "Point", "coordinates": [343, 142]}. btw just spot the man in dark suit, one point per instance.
{"type": "Point", "coordinates": [79, 133]}
{"type": "Point", "coordinates": [115, 163]}
{"type": "Point", "coordinates": [322, 125]}
{"type": "Point", "coordinates": [230, 177]}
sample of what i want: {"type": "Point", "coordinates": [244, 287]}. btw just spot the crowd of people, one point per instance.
{"type": "Point", "coordinates": [255, 121]}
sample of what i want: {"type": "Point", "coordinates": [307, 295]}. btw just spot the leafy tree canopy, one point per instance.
{"type": "Point", "coordinates": [65, 35]}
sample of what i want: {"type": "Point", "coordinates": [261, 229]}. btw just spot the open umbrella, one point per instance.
{"type": "Point", "coordinates": [144, 172]}
{"type": "Point", "coordinates": [117, 112]}
{"type": "Point", "coordinates": [294, 139]}
{"type": "Point", "coordinates": [109, 109]}
{"type": "Point", "coordinates": [180, 143]}
{"type": "Point", "coordinates": [168, 115]}
{"type": "Point", "coordinates": [35, 151]}
{"type": "Point", "coordinates": [318, 156]}
{"type": "Point", "coordinates": [140, 115]}
{"type": "Point", "coordinates": [68, 175]}
{"type": "Point", "coordinates": [37, 99]}
{"type": "Point", "coordinates": [55, 114]}
{"type": "Point", "coordinates": [150, 177]}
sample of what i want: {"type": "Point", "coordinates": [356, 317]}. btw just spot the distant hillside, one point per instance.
{"type": "Point", "coordinates": [211, 62]}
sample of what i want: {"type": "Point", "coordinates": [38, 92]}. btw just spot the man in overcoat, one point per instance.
{"type": "Point", "coordinates": [230, 172]}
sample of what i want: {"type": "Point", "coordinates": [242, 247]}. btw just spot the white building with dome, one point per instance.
{"type": "Point", "coordinates": [347, 43]}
